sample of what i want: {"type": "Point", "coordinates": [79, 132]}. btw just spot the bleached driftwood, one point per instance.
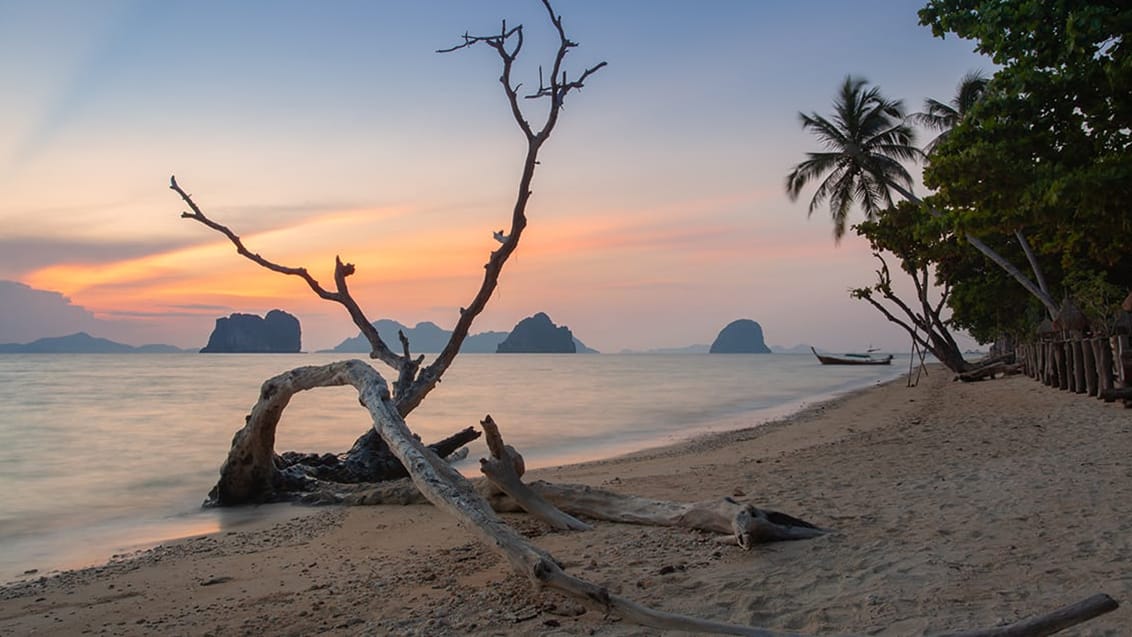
{"type": "Point", "coordinates": [553, 503]}
{"type": "Point", "coordinates": [253, 473]}
{"type": "Point", "coordinates": [504, 470]}
{"type": "Point", "coordinates": [445, 488]}
{"type": "Point", "coordinates": [748, 524]}
{"type": "Point", "coordinates": [1049, 623]}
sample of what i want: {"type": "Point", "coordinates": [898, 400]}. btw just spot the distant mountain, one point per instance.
{"type": "Point", "coordinates": [83, 343]}
{"type": "Point", "coordinates": [426, 338]}
{"type": "Point", "coordinates": [429, 338]}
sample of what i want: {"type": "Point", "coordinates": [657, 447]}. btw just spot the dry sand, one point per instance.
{"type": "Point", "coordinates": [955, 506]}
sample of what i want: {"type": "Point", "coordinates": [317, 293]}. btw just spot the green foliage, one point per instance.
{"type": "Point", "coordinates": [1097, 297]}
{"type": "Point", "coordinates": [910, 232]}
{"type": "Point", "coordinates": [944, 117]}
{"type": "Point", "coordinates": [986, 301]}
{"type": "Point", "coordinates": [1048, 148]}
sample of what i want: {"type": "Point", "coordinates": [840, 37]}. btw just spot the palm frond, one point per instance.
{"type": "Point", "coordinates": [809, 170]}
{"type": "Point", "coordinates": [943, 117]}
{"type": "Point", "coordinates": [827, 187]}
{"type": "Point", "coordinates": [827, 132]}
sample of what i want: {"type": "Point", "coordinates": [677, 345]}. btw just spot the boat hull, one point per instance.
{"type": "Point", "coordinates": [852, 359]}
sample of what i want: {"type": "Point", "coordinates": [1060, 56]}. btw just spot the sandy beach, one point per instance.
{"type": "Point", "coordinates": [954, 506]}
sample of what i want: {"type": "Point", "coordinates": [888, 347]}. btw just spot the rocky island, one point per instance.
{"type": "Point", "coordinates": [538, 335]}
{"type": "Point", "coordinates": [276, 333]}
{"type": "Point", "coordinates": [743, 336]}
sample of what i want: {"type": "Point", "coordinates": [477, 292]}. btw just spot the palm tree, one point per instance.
{"type": "Point", "coordinates": [866, 143]}
{"type": "Point", "coordinates": [943, 117]}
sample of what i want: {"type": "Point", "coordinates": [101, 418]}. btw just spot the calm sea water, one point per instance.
{"type": "Point", "coordinates": [102, 454]}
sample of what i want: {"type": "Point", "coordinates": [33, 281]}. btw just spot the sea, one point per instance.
{"type": "Point", "coordinates": [103, 455]}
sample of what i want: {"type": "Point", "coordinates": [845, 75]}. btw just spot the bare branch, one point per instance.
{"type": "Point", "coordinates": [428, 377]}
{"type": "Point", "coordinates": [341, 271]}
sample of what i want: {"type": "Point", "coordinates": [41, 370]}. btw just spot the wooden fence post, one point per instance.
{"type": "Point", "coordinates": [1063, 366]}
{"type": "Point", "coordinates": [1103, 355]}
{"type": "Point", "coordinates": [1123, 359]}
{"type": "Point", "coordinates": [1090, 369]}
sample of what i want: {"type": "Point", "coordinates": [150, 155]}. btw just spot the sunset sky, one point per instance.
{"type": "Point", "coordinates": [319, 129]}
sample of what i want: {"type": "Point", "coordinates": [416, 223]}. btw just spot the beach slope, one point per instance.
{"type": "Point", "coordinates": [954, 506]}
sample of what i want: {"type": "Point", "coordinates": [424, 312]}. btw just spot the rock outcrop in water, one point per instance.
{"type": "Point", "coordinates": [276, 333]}
{"type": "Point", "coordinates": [743, 336]}
{"type": "Point", "coordinates": [538, 335]}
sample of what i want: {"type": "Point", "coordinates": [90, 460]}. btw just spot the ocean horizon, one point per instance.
{"type": "Point", "coordinates": [107, 454]}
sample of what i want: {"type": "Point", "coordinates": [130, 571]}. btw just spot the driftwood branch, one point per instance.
{"type": "Point", "coordinates": [746, 523]}
{"type": "Point", "coordinates": [505, 469]}
{"type": "Point", "coordinates": [444, 487]}
{"type": "Point", "coordinates": [1050, 623]}
{"type": "Point", "coordinates": [253, 473]}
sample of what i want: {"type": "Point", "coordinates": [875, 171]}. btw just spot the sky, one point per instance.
{"type": "Point", "coordinates": [313, 130]}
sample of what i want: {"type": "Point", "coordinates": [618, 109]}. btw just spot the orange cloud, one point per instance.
{"type": "Point", "coordinates": [384, 251]}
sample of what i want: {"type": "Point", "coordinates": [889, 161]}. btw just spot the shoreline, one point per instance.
{"type": "Point", "coordinates": [954, 506]}
{"type": "Point", "coordinates": [58, 550]}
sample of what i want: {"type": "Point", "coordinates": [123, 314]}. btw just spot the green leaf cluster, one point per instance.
{"type": "Point", "coordinates": [1048, 147]}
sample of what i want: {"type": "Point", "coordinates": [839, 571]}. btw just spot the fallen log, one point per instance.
{"type": "Point", "coordinates": [1050, 623]}
{"type": "Point", "coordinates": [982, 373]}
{"type": "Point", "coordinates": [1116, 393]}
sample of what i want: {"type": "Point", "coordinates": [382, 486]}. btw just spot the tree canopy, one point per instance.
{"type": "Point", "coordinates": [1048, 148]}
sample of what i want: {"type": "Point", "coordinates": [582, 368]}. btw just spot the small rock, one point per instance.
{"type": "Point", "coordinates": [566, 609]}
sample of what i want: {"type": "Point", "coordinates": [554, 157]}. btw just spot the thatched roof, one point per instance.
{"type": "Point", "coordinates": [1071, 318]}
